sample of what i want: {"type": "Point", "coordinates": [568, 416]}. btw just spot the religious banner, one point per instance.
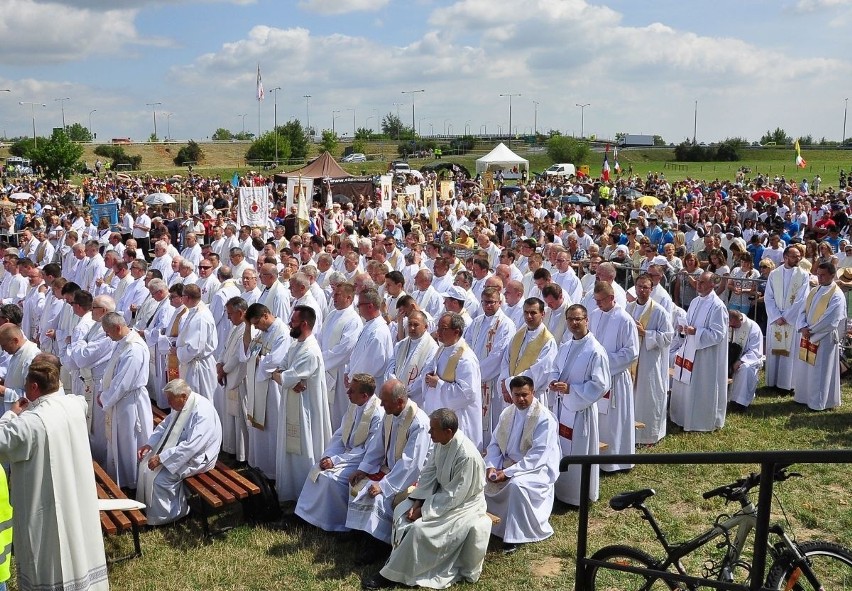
{"type": "Point", "coordinates": [297, 188]}
{"type": "Point", "coordinates": [447, 190]}
{"type": "Point", "coordinates": [488, 182]}
{"type": "Point", "coordinates": [253, 207]}
{"type": "Point", "coordinates": [387, 191]}
{"type": "Point", "coordinates": [105, 210]}
{"type": "Point", "coordinates": [431, 201]}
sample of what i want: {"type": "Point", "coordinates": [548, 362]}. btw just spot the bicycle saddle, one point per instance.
{"type": "Point", "coordinates": [626, 500]}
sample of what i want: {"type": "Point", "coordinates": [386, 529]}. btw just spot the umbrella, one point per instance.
{"type": "Point", "coordinates": [122, 177]}
{"type": "Point", "coordinates": [765, 195]}
{"type": "Point", "coordinates": [21, 196]}
{"type": "Point", "coordinates": [630, 193]}
{"type": "Point", "coordinates": [578, 200]}
{"type": "Point", "coordinates": [159, 199]}
{"type": "Point", "coordinates": [648, 200]}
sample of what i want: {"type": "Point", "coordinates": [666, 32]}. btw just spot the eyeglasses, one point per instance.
{"type": "Point", "coordinates": [205, 267]}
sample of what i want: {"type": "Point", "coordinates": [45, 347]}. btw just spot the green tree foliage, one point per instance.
{"type": "Point", "coordinates": [23, 147]}
{"type": "Point", "coordinates": [262, 150]}
{"type": "Point", "coordinates": [57, 156]}
{"type": "Point", "coordinates": [393, 128]}
{"type": "Point", "coordinates": [408, 148]}
{"type": "Point", "coordinates": [298, 138]}
{"type": "Point", "coordinates": [779, 137]}
{"type": "Point", "coordinates": [78, 133]}
{"type": "Point", "coordinates": [359, 145]}
{"type": "Point", "coordinates": [153, 139]}
{"type": "Point", "coordinates": [364, 134]}
{"type": "Point", "coordinates": [727, 151]}
{"type": "Point", "coordinates": [329, 142]}
{"type": "Point", "coordinates": [244, 135]}
{"type": "Point", "coordinates": [567, 149]}
{"type": "Point", "coordinates": [118, 156]}
{"type": "Point", "coordinates": [222, 135]}
{"type": "Point", "coordinates": [659, 141]}
{"type": "Point", "coordinates": [190, 153]}
{"type": "Point", "coordinates": [806, 140]}
{"type": "Point", "coordinates": [459, 146]}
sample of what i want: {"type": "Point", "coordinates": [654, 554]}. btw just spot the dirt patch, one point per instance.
{"type": "Point", "coordinates": [549, 566]}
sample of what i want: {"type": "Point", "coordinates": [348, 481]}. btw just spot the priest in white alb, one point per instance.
{"type": "Point", "coordinates": [196, 342]}
{"type": "Point", "coordinates": [374, 346]}
{"type": "Point", "coordinates": [21, 353]}
{"type": "Point", "coordinates": [700, 382]}
{"type": "Point", "coordinates": [324, 499]}
{"type": "Point", "coordinates": [522, 465]}
{"type": "Point", "coordinates": [337, 339]}
{"type": "Point", "coordinates": [746, 335]}
{"type": "Point", "coordinates": [786, 289]}
{"type": "Point", "coordinates": [304, 426]}
{"type": "Point", "coordinates": [579, 378]}
{"type": "Point", "coordinates": [185, 443]}
{"type": "Point", "coordinates": [230, 374]}
{"type": "Point", "coordinates": [412, 355]}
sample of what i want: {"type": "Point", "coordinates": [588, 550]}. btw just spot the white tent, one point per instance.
{"type": "Point", "coordinates": [501, 157]}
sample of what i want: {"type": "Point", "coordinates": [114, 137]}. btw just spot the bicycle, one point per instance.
{"type": "Point", "coordinates": [800, 566]}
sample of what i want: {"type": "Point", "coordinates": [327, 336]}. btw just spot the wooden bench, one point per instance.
{"type": "Point", "coordinates": [115, 522]}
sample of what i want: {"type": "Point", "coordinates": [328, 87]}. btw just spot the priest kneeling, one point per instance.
{"type": "Point", "coordinates": [522, 465]}
{"type": "Point", "coordinates": [440, 533]}
{"type": "Point", "coordinates": [187, 442]}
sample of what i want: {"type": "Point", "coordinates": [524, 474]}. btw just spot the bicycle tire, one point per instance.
{"type": "Point", "coordinates": [831, 563]}
{"type": "Point", "coordinates": [604, 579]}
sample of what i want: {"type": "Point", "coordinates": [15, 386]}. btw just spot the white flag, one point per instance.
{"type": "Point", "coordinates": [260, 93]}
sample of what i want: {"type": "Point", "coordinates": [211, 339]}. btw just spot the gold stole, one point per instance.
{"type": "Point", "coordinates": [782, 336]}
{"type": "Point", "coordinates": [172, 363]}
{"type": "Point", "coordinates": [504, 429]}
{"type": "Point", "coordinates": [519, 363]}
{"type": "Point", "coordinates": [807, 348]}
{"type": "Point", "coordinates": [489, 344]}
{"type": "Point", "coordinates": [362, 431]}
{"type": "Point", "coordinates": [449, 373]}
{"type": "Point", "coordinates": [40, 252]}
{"type": "Point", "coordinates": [644, 319]}
{"type": "Point", "coordinates": [293, 407]}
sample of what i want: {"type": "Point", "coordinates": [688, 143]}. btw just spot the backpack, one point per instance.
{"type": "Point", "coordinates": [262, 507]}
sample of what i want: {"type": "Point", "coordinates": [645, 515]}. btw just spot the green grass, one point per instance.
{"type": "Point", "coordinates": [298, 556]}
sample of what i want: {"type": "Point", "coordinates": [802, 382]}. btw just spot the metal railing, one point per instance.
{"type": "Point", "coordinates": [767, 460]}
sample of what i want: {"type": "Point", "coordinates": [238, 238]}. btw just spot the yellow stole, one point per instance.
{"type": "Point", "coordinates": [807, 348]}
{"type": "Point", "coordinates": [172, 363]}
{"type": "Point", "coordinates": [449, 373]}
{"type": "Point", "coordinates": [644, 319]}
{"type": "Point", "coordinates": [519, 363]}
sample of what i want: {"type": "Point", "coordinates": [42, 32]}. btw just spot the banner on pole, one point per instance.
{"type": "Point", "coordinates": [387, 191]}
{"type": "Point", "coordinates": [105, 210]}
{"type": "Point", "coordinates": [299, 189]}
{"type": "Point", "coordinates": [253, 207]}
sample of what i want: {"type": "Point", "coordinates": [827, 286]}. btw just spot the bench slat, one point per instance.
{"type": "Point", "coordinates": [197, 486]}
{"type": "Point", "coordinates": [224, 494]}
{"type": "Point", "coordinates": [224, 479]}
{"type": "Point", "coordinates": [250, 486]}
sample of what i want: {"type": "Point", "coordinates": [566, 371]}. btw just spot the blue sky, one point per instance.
{"type": "Point", "coordinates": [751, 65]}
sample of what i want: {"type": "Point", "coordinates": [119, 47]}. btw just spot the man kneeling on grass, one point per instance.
{"type": "Point", "coordinates": [440, 533]}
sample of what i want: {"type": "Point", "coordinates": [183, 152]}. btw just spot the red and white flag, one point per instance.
{"type": "Point", "coordinates": [616, 165]}
{"type": "Point", "coordinates": [260, 93]}
{"type": "Point", "coordinates": [605, 169]}
{"type": "Point", "coordinates": [800, 162]}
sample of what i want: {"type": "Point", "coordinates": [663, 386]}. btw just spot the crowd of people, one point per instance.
{"type": "Point", "coordinates": [412, 376]}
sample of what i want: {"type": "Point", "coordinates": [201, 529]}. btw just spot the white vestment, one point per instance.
{"type": "Point", "coordinates": [448, 543]}
{"type": "Point", "coordinates": [337, 340]}
{"type": "Point", "coordinates": [324, 499]}
{"type": "Point", "coordinates": [525, 445]}
{"type": "Point", "coordinates": [461, 393]}
{"type": "Point", "coordinates": [786, 290]}
{"type": "Point", "coordinates": [209, 286]}
{"type": "Point", "coordinates": [818, 385]}
{"type": "Point", "coordinates": [196, 342]}
{"type": "Point", "coordinates": [372, 352]}
{"type": "Point", "coordinates": [16, 373]}
{"type": "Point", "coordinates": [57, 535]}
{"type": "Point", "coordinates": [49, 320]}
{"type": "Point", "coordinates": [33, 305]}
{"type": "Point", "coordinates": [127, 408]}
{"type": "Point", "coordinates": [277, 299]}
{"type": "Point", "coordinates": [430, 301]}
{"type": "Point", "coordinates": [229, 289]}
{"type": "Point", "coordinates": [584, 365]}
{"type": "Point", "coordinates": [188, 443]}
{"type": "Point", "coordinates": [399, 460]}
{"type": "Point", "coordinates": [488, 337]}
{"type": "Point", "coordinates": [700, 405]}
{"type": "Point", "coordinates": [651, 377]}
{"type": "Point", "coordinates": [537, 372]}
{"type": "Point", "coordinates": [409, 361]}
{"type": "Point", "coordinates": [229, 400]}
{"type": "Point", "coordinates": [304, 426]}
{"type": "Point", "coordinates": [750, 339]}
{"type": "Point", "coordinates": [556, 322]}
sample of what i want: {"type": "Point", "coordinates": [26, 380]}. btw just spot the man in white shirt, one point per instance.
{"type": "Point", "coordinates": [142, 231]}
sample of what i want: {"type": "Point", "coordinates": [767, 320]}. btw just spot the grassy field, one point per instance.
{"type": "Point", "coordinates": [297, 556]}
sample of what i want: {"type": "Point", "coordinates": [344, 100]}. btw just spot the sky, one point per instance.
{"type": "Point", "coordinates": [641, 67]}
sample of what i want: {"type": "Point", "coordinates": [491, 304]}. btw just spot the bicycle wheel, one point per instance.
{"type": "Point", "coordinates": [831, 563]}
{"type": "Point", "coordinates": [605, 579]}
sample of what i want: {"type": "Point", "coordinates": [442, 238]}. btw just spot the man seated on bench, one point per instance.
{"type": "Point", "coordinates": [522, 465]}
{"type": "Point", "coordinates": [187, 442]}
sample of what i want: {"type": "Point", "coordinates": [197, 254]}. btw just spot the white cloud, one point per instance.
{"type": "Point", "coordinates": [342, 6]}
{"type": "Point", "coordinates": [814, 5]}
{"type": "Point", "coordinates": [99, 5]}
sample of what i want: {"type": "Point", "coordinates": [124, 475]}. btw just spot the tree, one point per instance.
{"type": "Point", "coordinates": [659, 141]}
{"type": "Point", "coordinates": [243, 135]}
{"type": "Point", "coordinates": [295, 134]}
{"type": "Point", "coordinates": [779, 137]}
{"type": "Point", "coordinates": [57, 156]}
{"type": "Point", "coordinates": [393, 127]}
{"type": "Point", "coordinates": [329, 142]}
{"type": "Point", "coordinates": [23, 147]}
{"type": "Point", "coordinates": [567, 149]}
{"type": "Point", "coordinates": [189, 154]}
{"type": "Point", "coordinates": [363, 134]}
{"type": "Point", "coordinates": [222, 134]}
{"type": "Point", "coordinates": [806, 140]}
{"type": "Point", "coordinates": [262, 150]}
{"type": "Point", "coordinates": [153, 139]}
{"type": "Point", "coordinates": [359, 146]}
{"type": "Point", "coordinates": [78, 133]}
{"type": "Point", "coordinates": [119, 156]}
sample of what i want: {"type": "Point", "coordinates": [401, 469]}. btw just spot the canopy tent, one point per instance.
{"type": "Point", "coordinates": [501, 157]}
{"type": "Point", "coordinates": [323, 167]}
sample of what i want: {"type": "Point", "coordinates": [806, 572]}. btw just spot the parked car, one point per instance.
{"type": "Point", "coordinates": [399, 167]}
{"type": "Point", "coordinates": [354, 157]}
{"type": "Point", "coordinates": [561, 170]}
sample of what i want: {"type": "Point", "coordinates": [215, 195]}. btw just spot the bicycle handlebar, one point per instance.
{"type": "Point", "coordinates": [736, 490]}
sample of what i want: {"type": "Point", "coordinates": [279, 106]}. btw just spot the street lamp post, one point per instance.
{"type": "Point", "coordinates": [445, 126]}
{"type": "Point", "coordinates": [535, 117]}
{"type": "Point", "coordinates": [92, 133]}
{"type": "Point", "coordinates": [420, 124]}
{"type": "Point", "coordinates": [450, 129]}
{"type": "Point", "coordinates": [61, 102]}
{"type": "Point", "coordinates": [412, 93]}
{"type": "Point", "coordinates": [243, 115]}
{"type": "Point", "coordinates": [695, 124]}
{"type": "Point", "coordinates": [169, 126]}
{"type": "Point", "coordinates": [333, 118]}
{"type": "Point", "coordinates": [307, 98]}
{"type": "Point", "coordinates": [467, 127]}
{"type": "Point", "coordinates": [582, 117]}
{"type": "Point", "coordinates": [354, 124]}
{"type": "Point", "coordinates": [32, 109]}
{"type": "Point", "coordinates": [154, 111]}
{"type": "Point", "coordinates": [845, 107]}
{"type": "Point", "coordinates": [485, 127]}
{"type": "Point", "coordinates": [510, 109]}
{"type": "Point", "coordinates": [275, 119]}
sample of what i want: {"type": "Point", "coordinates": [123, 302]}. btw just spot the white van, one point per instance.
{"type": "Point", "coordinates": [561, 170]}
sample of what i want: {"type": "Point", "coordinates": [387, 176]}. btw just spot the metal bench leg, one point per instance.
{"type": "Point", "coordinates": [137, 545]}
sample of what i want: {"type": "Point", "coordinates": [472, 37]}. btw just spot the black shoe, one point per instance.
{"type": "Point", "coordinates": [377, 581]}
{"type": "Point", "coordinates": [736, 407]}
{"type": "Point", "coordinates": [375, 551]}
{"type": "Point", "coordinates": [509, 548]}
